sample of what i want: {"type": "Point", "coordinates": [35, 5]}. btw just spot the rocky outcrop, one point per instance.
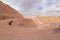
{"type": "Point", "coordinates": [8, 12]}
{"type": "Point", "coordinates": [13, 26]}
{"type": "Point", "coordinates": [14, 17]}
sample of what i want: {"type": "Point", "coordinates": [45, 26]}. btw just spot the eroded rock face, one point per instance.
{"type": "Point", "coordinates": [46, 22]}
{"type": "Point", "coordinates": [10, 30]}
{"type": "Point", "coordinates": [8, 12]}
{"type": "Point", "coordinates": [28, 23]}
{"type": "Point", "coordinates": [15, 27]}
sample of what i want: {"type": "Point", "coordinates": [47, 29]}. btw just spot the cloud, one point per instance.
{"type": "Point", "coordinates": [34, 7]}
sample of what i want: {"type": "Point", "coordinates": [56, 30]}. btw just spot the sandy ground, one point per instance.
{"type": "Point", "coordinates": [16, 32]}
{"type": "Point", "coordinates": [8, 32]}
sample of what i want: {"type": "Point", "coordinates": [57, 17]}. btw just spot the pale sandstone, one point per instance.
{"type": "Point", "coordinates": [14, 26]}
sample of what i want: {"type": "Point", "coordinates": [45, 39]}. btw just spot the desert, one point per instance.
{"type": "Point", "coordinates": [14, 26]}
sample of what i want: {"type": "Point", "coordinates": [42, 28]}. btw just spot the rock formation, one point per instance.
{"type": "Point", "coordinates": [7, 12]}
{"type": "Point", "coordinates": [13, 26]}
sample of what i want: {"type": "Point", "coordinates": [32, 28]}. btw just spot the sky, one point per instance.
{"type": "Point", "coordinates": [35, 7]}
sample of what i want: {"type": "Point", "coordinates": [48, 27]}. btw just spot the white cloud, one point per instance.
{"type": "Point", "coordinates": [31, 7]}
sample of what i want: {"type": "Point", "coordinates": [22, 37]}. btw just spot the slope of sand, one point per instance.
{"type": "Point", "coordinates": [15, 27]}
